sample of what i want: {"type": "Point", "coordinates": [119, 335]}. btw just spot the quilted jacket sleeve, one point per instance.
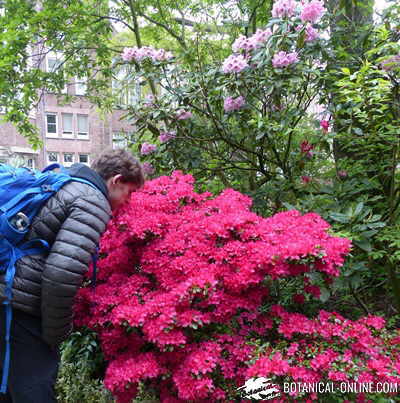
{"type": "Point", "coordinates": [68, 261]}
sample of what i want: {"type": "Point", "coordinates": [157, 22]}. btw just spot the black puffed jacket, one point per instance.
{"type": "Point", "coordinates": [72, 222]}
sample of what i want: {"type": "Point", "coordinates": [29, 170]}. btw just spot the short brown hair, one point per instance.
{"type": "Point", "coordinates": [119, 161]}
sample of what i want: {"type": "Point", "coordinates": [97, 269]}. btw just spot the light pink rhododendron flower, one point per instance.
{"type": "Point", "coordinates": [234, 64]}
{"type": "Point", "coordinates": [284, 8]}
{"type": "Point", "coordinates": [312, 11]}
{"type": "Point", "coordinates": [232, 104]}
{"type": "Point", "coordinates": [182, 115]}
{"type": "Point", "coordinates": [283, 59]}
{"type": "Point", "coordinates": [148, 148]}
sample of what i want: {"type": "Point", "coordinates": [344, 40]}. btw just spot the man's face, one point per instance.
{"type": "Point", "coordinates": [118, 191]}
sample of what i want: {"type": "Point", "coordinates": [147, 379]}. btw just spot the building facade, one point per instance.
{"type": "Point", "coordinates": [70, 133]}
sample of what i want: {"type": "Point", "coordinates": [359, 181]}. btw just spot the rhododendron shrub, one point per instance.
{"type": "Point", "coordinates": [181, 281]}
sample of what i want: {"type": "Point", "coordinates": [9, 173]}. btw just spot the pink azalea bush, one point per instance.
{"type": "Point", "coordinates": [180, 284]}
{"type": "Point", "coordinates": [329, 348]}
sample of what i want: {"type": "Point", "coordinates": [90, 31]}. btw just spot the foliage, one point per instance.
{"type": "Point", "coordinates": [78, 377]}
{"type": "Point", "coordinates": [29, 32]}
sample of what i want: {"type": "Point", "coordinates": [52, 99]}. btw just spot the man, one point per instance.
{"type": "Point", "coordinates": [44, 288]}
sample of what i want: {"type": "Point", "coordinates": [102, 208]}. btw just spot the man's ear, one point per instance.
{"type": "Point", "coordinates": [117, 179]}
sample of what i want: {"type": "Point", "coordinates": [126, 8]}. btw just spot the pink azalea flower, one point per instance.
{"type": "Point", "coordinates": [325, 125]}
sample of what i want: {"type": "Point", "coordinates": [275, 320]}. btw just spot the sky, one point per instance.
{"type": "Point", "coordinates": [380, 4]}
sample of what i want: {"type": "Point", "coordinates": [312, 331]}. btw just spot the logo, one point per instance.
{"type": "Point", "coordinates": [259, 389]}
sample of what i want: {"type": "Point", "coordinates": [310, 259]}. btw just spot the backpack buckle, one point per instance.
{"type": "Point", "coordinates": [47, 188]}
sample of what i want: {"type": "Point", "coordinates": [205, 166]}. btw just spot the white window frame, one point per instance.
{"type": "Point", "coordinates": [88, 159]}
{"type": "Point", "coordinates": [119, 140]}
{"type": "Point", "coordinates": [53, 55]}
{"type": "Point", "coordinates": [48, 157]}
{"type": "Point", "coordinates": [68, 163]}
{"type": "Point", "coordinates": [53, 135]}
{"type": "Point", "coordinates": [80, 86]}
{"type": "Point", "coordinates": [82, 135]}
{"type": "Point", "coordinates": [64, 133]}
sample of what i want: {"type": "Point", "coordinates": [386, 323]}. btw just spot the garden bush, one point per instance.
{"type": "Point", "coordinates": [182, 304]}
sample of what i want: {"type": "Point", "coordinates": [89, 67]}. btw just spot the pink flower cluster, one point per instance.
{"type": "Point", "coordinates": [330, 348]}
{"type": "Point", "coordinates": [180, 270]}
{"type": "Point", "coordinates": [284, 8]}
{"type": "Point", "coordinates": [138, 54]}
{"type": "Point", "coordinates": [253, 42]}
{"type": "Point", "coordinates": [234, 64]}
{"type": "Point", "coordinates": [233, 104]}
{"type": "Point", "coordinates": [148, 148]}
{"type": "Point", "coordinates": [284, 59]}
{"type": "Point", "coordinates": [312, 11]}
{"type": "Point", "coordinates": [164, 137]}
{"type": "Point", "coordinates": [183, 115]}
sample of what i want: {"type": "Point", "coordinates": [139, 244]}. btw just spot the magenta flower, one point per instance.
{"type": "Point", "coordinates": [148, 148]}
{"type": "Point", "coordinates": [232, 104]}
{"type": "Point", "coordinates": [325, 125]}
{"type": "Point", "coordinates": [312, 11]}
{"type": "Point", "coordinates": [342, 174]}
{"type": "Point", "coordinates": [305, 179]}
{"type": "Point", "coordinates": [283, 59]}
{"type": "Point", "coordinates": [283, 8]}
{"type": "Point", "coordinates": [234, 64]}
{"type": "Point", "coordinates": [306, 147]}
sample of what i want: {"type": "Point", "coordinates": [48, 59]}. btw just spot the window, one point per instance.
{"type": "Point", "coordinates": [83, 126]}
{"type": "Point", "coordinates": [51, 124]}
{"type": "Point", "coordinates": [126, 88]}
{"type": "Point", "coordinates": [52, 157]}
{"type": "Point", "coordinates": [67, 125]}
{"type": "Point", "coordinates": [119, 140]}
{"type": "Point", "coordinates": [80, 86]}
{"type": "Point", "coordinates": [53, 61]}
{"type": "Point", "coordinates": [68, 159]}
{"type": "Point", "coordinates": [84, 159]}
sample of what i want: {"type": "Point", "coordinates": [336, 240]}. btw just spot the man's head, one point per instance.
{"type": "Point", "coordinates": [122, 173]}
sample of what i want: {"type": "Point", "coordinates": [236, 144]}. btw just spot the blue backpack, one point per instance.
{"type": "Point", "coordinates": [22, 193]}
